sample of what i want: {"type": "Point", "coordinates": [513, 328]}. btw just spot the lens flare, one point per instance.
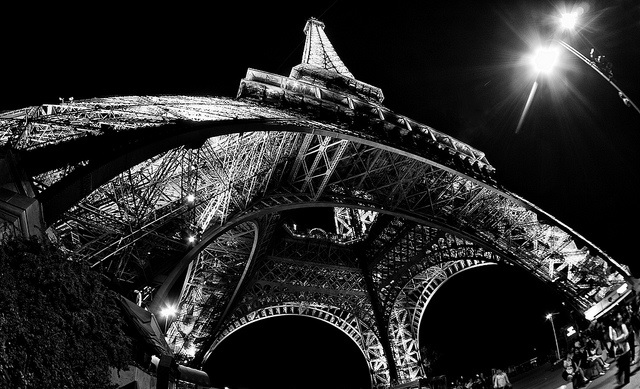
{"type": "Point", "coordinates": [568, 20]}
{"type": "Point", "coordinates": [545, 59]}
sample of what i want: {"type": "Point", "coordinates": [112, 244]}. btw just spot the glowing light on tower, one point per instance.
{"type": "Point", "coordinates": [166, 312]}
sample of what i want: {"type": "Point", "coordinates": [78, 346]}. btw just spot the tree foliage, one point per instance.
{"type": "Point", "coordinates": [60, 326]}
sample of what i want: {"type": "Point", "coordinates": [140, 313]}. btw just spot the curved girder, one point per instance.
{"type": "Point", "coordinates": [275, 205]}
{"type": "Point", "coordinates": [409, 308]}
{"type": "Point", "coordinates": [93, 139]}
{"type": "Point", "coordinates": [417, 250]}
{"type": "Point", "coordinates": [365, 338]}
{"type": "Point", "coordinates": [414, 244]}
{"type": "Point", "coordinates": [238, 177]}
{"type": "Point", "coordinates": [212, 283]}
{"type": "Point", "coordinates": [315, 137]}
{"type": "Point", "coordinates": [471, 188]}
{"type": "Point", "coordinates": [323, 273]}
{"type": "Point", "coordinates": [417, 293]}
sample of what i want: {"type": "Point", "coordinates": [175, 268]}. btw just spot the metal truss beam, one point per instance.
{"type": "Point", "coordinates": [125, 180]}
{"type": "Point", "coordinates": [365, 338]}
{"type": "Point", "coordinates": [408, 311]}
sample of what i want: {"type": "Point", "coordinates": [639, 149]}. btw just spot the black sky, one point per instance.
{"type": "Point", "coordinates": [456, 66]}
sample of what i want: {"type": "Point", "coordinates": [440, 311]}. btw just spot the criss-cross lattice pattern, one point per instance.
{"type": "Point", "coordinates": [364, 337]}
{"type": "Point", "coordinates": [197, 194]}
{"type": "Point", "coordinates": [319, 51]}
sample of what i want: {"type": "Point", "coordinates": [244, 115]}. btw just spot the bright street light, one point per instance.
{"type": "Point", "coordinates": [555, 337]}
{"type": "Point", "coordinates": [545, 59]}
{"type": "Point", "coordinates": [605, 73]}
{"type": "Point", "coordinates": [166, 312]}
{"type": "Point", "coordinates": [568, 20]}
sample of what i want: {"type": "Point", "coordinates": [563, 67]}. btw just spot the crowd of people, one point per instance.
{"type": "Point", "coordinates": [498, 379]}
{"type": "Point", "coordinates": [611, 338]}
{"type": "Point", "coordinates": [609, 342]}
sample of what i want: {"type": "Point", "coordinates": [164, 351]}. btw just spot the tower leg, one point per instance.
{"type": "Point", "coordinates": [20, 211]}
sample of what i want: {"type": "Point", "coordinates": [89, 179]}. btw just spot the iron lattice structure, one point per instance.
{"type": "Point", "coordinates": [122, 181]}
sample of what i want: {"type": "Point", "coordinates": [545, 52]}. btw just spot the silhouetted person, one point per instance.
{"type": "Point", "coordinates": [633, 324]}
{"type": "Point", "coordinates": [602, 63]}
{"type": "Point", "coordinates": [619, 334]}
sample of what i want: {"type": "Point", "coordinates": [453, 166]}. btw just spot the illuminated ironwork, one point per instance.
{"type": "Point", "coordinates": [195, 194]}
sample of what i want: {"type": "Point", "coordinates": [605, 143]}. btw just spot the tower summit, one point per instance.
{"type": "Point", "coordinates": [322, 66]}
{"type": "Point", "coordinates": [318, 50]}
{"type": "Point", "coordinates": [322, 80]}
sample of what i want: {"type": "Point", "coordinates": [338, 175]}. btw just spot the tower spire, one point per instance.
{"type": "Point", "coordinates": [320, 74]}
{"type": "Point", "coordinates": [318, 50]}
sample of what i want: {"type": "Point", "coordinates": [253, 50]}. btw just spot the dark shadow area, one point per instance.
{"type": "Point", "coordinates": [492, 317]}
{"type": "Point", "coordinates": [286, 353]}
{"type": "Point", "coordinates": [308, 218]}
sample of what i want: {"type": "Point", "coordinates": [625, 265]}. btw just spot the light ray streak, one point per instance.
{"type": "Point", "coordinates": [526, 107]}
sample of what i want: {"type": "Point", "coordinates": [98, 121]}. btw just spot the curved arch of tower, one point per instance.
{"type": "Point", "coordinates": [211, 197]}
{"type": "Point", "coordinates": [347, 322]}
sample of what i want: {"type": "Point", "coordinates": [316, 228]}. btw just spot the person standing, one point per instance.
{"type": "Point", "coordinates": [501, 380]}
{"type": "Point", "coordinates": [619, 335]}
{"type": "Point", "coordinates": [633, 324]}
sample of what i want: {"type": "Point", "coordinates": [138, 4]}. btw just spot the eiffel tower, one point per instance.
{"type": "Point", "coordinates": [303, 195]}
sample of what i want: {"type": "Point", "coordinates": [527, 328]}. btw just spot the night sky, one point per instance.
{"type": "Point", "coordinates": [459, 67]}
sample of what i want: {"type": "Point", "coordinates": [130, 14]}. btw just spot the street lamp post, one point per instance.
{"type": "Point", "coordinates": [545, 59]}
{"type": "Point", "coordinates": [568, 21]}
{"type": "Point", "coordinates": [625, 99]}
{"type": "Point", "coordinates": [555, 337]}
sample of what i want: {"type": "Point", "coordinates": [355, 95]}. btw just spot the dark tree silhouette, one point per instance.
{"type": "Point", "coordinates": [60, 326]}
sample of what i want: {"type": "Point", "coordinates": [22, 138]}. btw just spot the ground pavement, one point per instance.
{"type": "Point", "coordinates": [548, 376]}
